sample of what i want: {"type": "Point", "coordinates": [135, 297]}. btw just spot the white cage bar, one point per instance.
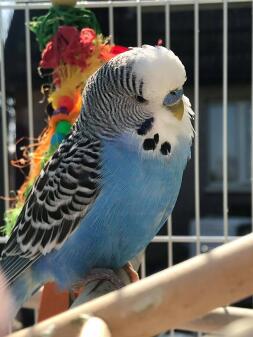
{"type": "Point", "coordinates": [4, 117]}
{"type": "Point", "coordinates": [225, 117]}
{"type": "Point", "coordinates": [118, 3]}
{"type": "Point", "coordinates": [196, 124]}
{"type": "Point", "coordinates": [29, 75]}
{"type": "Point", "coordinates": [251, 117]}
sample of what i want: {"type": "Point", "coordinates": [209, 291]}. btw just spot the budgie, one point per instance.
{"type": "Point", "coordinates": [114, 180]}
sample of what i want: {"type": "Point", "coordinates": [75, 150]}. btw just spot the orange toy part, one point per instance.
{"type": "Point", "coordinates": [53, 301]}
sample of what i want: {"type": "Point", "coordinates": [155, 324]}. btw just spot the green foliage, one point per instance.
{"type": "Point", "coordinates": [47, 25]}
{"type": "Point", "coordinates": [48, 155]}
{"type": "Point", "coordinates": [10, 218]}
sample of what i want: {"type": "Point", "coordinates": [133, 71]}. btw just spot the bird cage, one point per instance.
{"type": "Point", "coordinates": [214, 41]}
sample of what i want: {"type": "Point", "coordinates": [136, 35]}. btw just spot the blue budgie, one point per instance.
{"type": "Point", "coordinates": [113, 182]}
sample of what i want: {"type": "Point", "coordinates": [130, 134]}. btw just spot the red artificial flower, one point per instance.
{"type": "Point", "coordinates": [87, 35]}
{"type": "Point", "coordinates": [49, 58]}
{"type": "Point", "coordinates": [69, 46]}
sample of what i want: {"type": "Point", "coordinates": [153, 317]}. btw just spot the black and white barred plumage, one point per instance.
{"type": "Point", "coordinates": [117, 108]}
{"type": "Point", "coordinates": [60, 197]}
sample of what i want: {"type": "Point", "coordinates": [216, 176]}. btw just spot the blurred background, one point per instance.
{"type": "Point", "coordinates": [197, 223]}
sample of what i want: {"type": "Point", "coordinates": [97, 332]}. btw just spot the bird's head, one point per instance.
{"type": "Point", "coordinates": [163, 76]}
{"type": "Point", "coordinates": [138, 84]}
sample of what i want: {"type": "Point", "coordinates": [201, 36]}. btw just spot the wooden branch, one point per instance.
{"type": "Point", "coordinates": [94, 327]}
{"type": "Point", "coordinates": [213, 322]}
{"type": "Point", "coordinates": [241, 328]}
{"type": "Point", "coordinates": [217, 319]}
{"type": "Point", "coordinates": [83, 326]}
{"type": "Point", "coordinates": [169, 298]}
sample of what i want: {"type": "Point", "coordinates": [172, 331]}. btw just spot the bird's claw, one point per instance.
{"type": "Point", "coordinates": [97, 275]}
{"type": "Point", "coordinates": [131, 272]}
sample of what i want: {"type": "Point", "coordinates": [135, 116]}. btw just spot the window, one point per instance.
{"type": "Point", "coordinates": [239, 142]}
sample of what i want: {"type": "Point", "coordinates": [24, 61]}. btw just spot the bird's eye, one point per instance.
{"type": "Point", "coordinates": [141, 99]}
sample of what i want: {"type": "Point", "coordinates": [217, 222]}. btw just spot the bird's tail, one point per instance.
{"type": "Point", "coordinates": [21, 285]}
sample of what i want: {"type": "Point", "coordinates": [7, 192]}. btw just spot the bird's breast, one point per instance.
{"type": "Point", "coordinates": [139, 192]}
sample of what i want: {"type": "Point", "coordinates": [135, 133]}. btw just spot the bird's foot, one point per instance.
{"type": "Point", "coordinates": [100, 276]}
{"type": "Point", "coordinates": [103, 274]}
{"type": "Point", "coordinates": [131, 272]}
{"type": "Point", "coordinates": [97, 275]}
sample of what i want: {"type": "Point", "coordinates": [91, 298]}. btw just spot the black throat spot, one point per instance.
{"type": "Point", "coordinates": [165, 148]}
{"type": "Point", "coordinates": [149, 144]}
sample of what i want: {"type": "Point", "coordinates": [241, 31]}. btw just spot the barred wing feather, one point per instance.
{"type": "Point", "coordinates": [60, 198]}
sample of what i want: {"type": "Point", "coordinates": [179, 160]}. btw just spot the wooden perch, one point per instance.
{"type": "Point", "coordinates": [170, 298]}
{"type": "Point", "coordinates": [241, 328]}
{"type": "Point", "coordinates": [217, 319]}
{"type": "Point", "coordinates": [94, 327]}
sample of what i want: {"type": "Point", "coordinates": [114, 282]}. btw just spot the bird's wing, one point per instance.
{"type": "Point", "coordinates": [61, 196]}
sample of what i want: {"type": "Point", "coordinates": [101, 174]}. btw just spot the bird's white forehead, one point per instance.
{"type": "Point", "coordinates": [160, 69]}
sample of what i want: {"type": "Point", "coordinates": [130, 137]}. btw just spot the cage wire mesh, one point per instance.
{"type": "Point", "coordinates": [214, 41]}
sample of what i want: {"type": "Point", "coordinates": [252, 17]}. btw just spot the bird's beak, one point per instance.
{"type": "Point", "coordinates": [178, 109]}
{"type": "Point", "coordinates": [174, 103]}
